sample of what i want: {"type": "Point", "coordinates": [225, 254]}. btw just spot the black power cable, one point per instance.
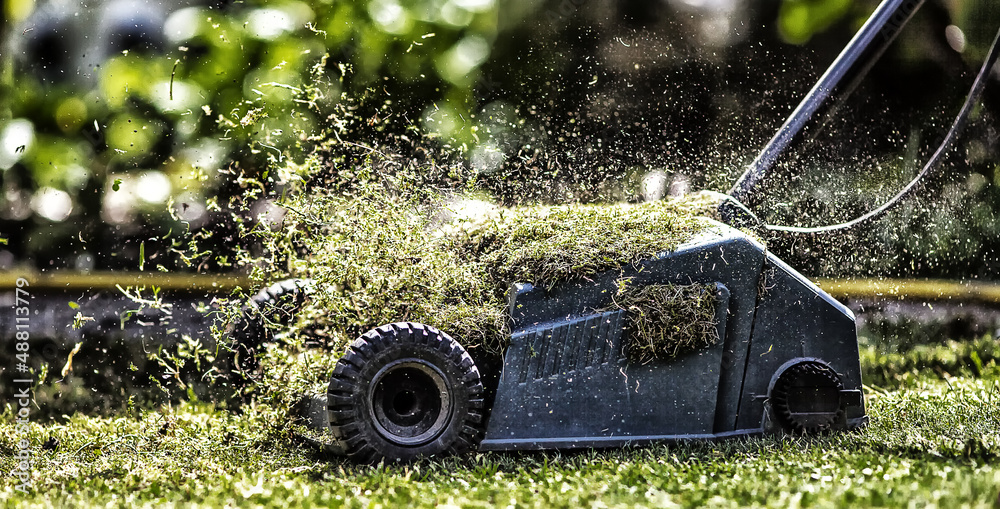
{"type": "Point", "coordinates": [956, 128]}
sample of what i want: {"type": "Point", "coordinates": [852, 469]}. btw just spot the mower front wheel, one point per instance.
{"type": "Point", "coordinates": [403, 391]}
{"type": "Point", "coordinates": [806, 397]}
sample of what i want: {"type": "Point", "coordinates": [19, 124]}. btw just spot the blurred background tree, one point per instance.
{"type": "Point", "coordinates": [126, 125]}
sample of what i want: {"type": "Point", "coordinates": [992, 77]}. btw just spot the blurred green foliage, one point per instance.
{"type": "Point", "coordinates": [233, 91]}
{"type": "Point", "coordinates": [798, 20]}
{"type": "Point", "coordinates": [553, 100]}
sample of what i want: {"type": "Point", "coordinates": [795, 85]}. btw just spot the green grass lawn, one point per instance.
{"type": "Point", "coordinates": [933, 440]}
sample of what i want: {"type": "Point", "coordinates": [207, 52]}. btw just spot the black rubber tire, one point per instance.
{"type": "Point", "coordinates": [275, 305]}
{"type": "Point", "coordinates": [404, 391]}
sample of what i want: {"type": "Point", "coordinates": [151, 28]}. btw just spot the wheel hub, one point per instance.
{"type": "Point", "coordinates": [806, 397]}
{"type": "Point", "coordinates": [409, 402]}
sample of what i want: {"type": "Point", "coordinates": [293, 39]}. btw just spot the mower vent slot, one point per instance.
{"type": "Point", "coordinates": [570, 346]}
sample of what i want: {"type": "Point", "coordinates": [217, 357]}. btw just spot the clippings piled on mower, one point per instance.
{"type": "Point", "coordinates": [548, 245]}
{"type": "Point", "coordinates": [382, 259]}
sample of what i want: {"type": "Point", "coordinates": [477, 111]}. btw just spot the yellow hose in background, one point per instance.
{"type": "Point", "coordinates": [911, 289]}
{"type": "Point", "coordinates": [108, 280]}
{"type": "Point", "coordinates": [901, 289]}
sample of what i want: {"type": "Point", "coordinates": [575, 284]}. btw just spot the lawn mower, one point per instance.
{"type": "Point", "coordinates": [777, 356]}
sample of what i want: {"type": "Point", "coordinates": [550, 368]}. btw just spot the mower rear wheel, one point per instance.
{"type": "Point", "coordinates": [277, 304]}
{"type": "Point", "coordinates": [403, 391]}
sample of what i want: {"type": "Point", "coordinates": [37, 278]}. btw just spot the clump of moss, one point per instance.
{"type": "Point", "coordinates": [667, 320]}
